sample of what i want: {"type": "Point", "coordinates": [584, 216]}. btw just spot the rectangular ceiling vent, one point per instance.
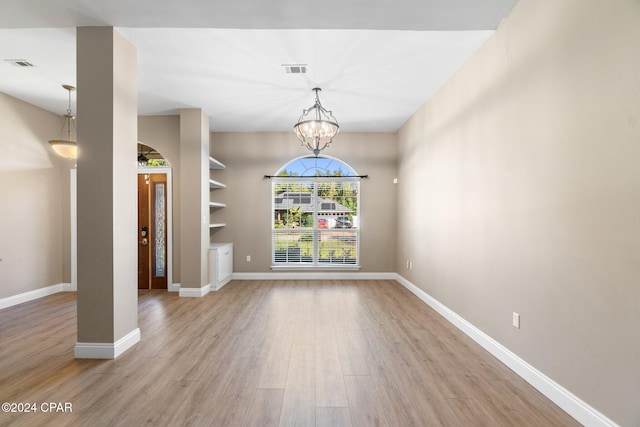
{"type": "Point", "coordinates": [19, 62]}
{"type": "Point", "coordinates": [294, 68]}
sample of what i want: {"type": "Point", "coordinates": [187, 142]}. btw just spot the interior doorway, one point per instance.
{"type": "Point", "coordinates": [154, 234]}
{"type": "Point", "coordinates": [152, 231]}
{"type": "Point", "coordinates": [165, 170]}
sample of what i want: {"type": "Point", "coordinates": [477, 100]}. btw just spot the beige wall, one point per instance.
{"type": "Point", "coordinates": [34, 195]}
{"type": "Point", "coordinates": [33, 231]}
{"type": "Point", "coordinates": [525, 171]}
{"type": "Point", "coordinates": [250, 156]}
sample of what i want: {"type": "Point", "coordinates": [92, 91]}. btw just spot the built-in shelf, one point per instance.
{"type": "Point", "coordinates": [216, 184]}
{"type": "Point", "coordinates": [215, 164]}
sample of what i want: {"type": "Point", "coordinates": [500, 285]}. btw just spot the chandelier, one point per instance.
{"type": "Point", "coordinates": [67, 148]}
{"type": "Point", "coordinates": [316, 127]}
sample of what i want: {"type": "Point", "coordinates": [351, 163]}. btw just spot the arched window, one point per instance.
{"type": "Point", "coordinates": [316, 207]}
{"type": "Point", "coordinates": [150, 157]}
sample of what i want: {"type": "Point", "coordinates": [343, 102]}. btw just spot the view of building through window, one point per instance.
{"type": "Point", "coordinates": [315, 213]}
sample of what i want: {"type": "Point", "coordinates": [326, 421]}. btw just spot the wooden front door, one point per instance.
{"type": "Point", "coordinates": [152, 231]}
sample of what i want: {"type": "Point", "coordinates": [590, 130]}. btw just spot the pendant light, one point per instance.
{"type": "Point", "coordinates": [316, 127]}
{"type": "Point", "coordinates": [67, 148]}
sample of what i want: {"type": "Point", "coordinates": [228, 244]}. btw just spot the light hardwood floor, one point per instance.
{"type": "Point", "coordinates": [290, 353]}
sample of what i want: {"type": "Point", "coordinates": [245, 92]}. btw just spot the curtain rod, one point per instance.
{"type": "Point", "coordinates": [305, 177]}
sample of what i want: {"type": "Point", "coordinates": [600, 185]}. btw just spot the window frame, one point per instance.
{"type": "Point", "coordinates": [316, 263]}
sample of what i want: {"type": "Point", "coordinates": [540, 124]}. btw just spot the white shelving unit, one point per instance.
{"type": "Point", "coordinates": [220, 254]}
{"type": "Point", "coordinates": [215, 185]}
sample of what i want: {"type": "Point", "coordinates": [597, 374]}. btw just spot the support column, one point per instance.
{"type": "Point", "coordinates": [194, 203]}
{"type": "Point", "coordinates": [107, 199]}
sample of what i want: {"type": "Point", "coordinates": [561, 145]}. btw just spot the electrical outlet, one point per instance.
{"type": "Point", "coordinates": [248, 258]}
{"type": "Point", "coordinates": [516, 320]}
{"type": "Point", "coordinates": [410, 265]}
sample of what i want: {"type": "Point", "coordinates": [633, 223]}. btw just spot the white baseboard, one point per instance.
{"type": "Point", "coordinates": [562, 397]}
{"type": "Point", "coordinates": [92, 350]}
{"type": "Point", "coordinates": [194, 292]}
{"type": "Point", "coordinates": [174, 287]}
{"type": "Point", "coordinates": [221, 284]}
{"type": "Point", "coordinates": [314, 275]}
{"type": "Point", "coordinates": [35, 294]}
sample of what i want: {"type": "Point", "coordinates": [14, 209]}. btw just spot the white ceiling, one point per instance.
{"type": "Point", "coordinates": [376, 62]}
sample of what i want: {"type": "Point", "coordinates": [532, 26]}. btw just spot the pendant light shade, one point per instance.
{"type": "Point", "coordinates": [64, 148]}
{"type": "Point", "coordinates": [316, 127]}
{"type": "Point", "coordinates": [67, 148]}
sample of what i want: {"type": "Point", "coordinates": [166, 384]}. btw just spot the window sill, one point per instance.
{"type": "Point", "coordinates": [316, 267]}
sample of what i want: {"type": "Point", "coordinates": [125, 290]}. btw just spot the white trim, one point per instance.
{"type": "Point", "coordinates": [174, 287]}
{"type": "Point", "coordinates": [73, 219]}
{"type": "Point", "coordinates": [194, 292]}
{"type": "Point", "coordinates": [572, 404]}
{"type": "Point", "coordinates": [35, 294]}
{"type": "Point", "coordinates": [322, 156]}
{"type": "Point", "coordinates": [314, 275]}
{"type": "Point", "coordinates": [150, 170]}
{"type": "Point", "coordinates": [221, 284]}
{"type": "Point", "coordinates": [90, 350]}
{"type": "Point", "coordinates": [316, 267]}
{"type": "Point", "coordinates": [316, 263]}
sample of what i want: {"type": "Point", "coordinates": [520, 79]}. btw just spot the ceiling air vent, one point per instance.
{"type": "Point", "coordinates": [19, 62]}
{"type": "Point", "coordinates": [294, 68]}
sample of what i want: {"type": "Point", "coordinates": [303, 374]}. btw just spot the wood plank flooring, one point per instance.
{"type": "Point", "coordinates": [266, 353]}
